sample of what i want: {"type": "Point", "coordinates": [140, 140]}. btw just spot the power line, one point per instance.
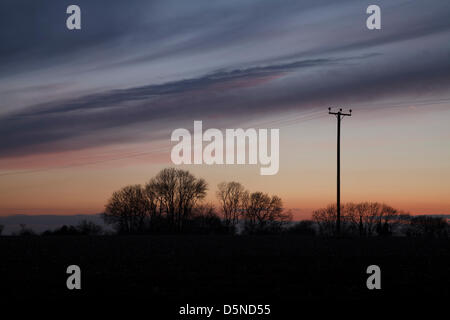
{"type": "Point", "coordinates": [139, 154]}
{"type": "Point", "coordinates": [130, 155]}
{"type": "Point", "coordinates": [282, 122]}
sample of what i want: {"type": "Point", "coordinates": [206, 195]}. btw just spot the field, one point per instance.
{"type": "Point", "coordinates": [223, 269]}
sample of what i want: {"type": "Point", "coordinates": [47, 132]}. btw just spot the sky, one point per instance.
{"type": "Point", "coordinates": [86, 112]}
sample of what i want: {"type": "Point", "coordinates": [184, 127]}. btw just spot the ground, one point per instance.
{"type": "Point", "coordinates": [223, 269]}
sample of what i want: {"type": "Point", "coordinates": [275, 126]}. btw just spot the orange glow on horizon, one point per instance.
{"type": "Point", "coordinates": [387, 161]}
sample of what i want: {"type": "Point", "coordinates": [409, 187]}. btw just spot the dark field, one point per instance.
{"type": "Point", "coordinates": [223, 269]}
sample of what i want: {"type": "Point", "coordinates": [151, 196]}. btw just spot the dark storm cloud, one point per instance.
{"type": "Point", "coordinates": [336, 66]}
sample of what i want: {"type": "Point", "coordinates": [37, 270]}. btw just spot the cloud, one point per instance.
{"type": "Point", "coordinates": [141, 69]}
{"type": "Point", "coordinates": [163, 103]}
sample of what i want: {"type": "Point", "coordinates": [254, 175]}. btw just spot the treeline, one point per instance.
{"type": "Point", "coordinates": [172, 203]}
{"type": "Point", "coordinates": [83, 228]}
{"type": "Point", "coordinates": [211, 223]}
{"type": "Point", "coordinates": [375, 219]}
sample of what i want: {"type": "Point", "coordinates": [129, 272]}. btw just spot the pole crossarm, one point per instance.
{"type": "Point", "coordinates": [340, 113]}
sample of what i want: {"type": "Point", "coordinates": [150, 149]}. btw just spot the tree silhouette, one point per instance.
{"type": "Point", "coordinates": [204, 220]}
{"type": "Point", "coordinates": [231, 196]}
{"type": "Point", "coordinates": [371, 218]}
{"type": "Point", "coordinates": [365, 219]}
{"type": "Point", "coordinates": [326, 220]}
{"type": "Point", "coordinates": [176, 193]}
{"type": "Point", "coordinates": [167, 200]}
{"type": "Point", "coordinates": [127, 209]}
{"type": "Point", "coordinates": [264, 213]}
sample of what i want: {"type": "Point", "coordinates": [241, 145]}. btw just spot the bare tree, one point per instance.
{"type": "Point", "coordinates": [176, 193]}
{"type": "Point", "coordinates": [388, 220]}
{"type": "Point", "coordinates": [156, 219]}
{"type": "Point", "coordinates": [365, 218]}
{"type": "Point", "coordinates": [127, 209]}
{"type": "Point", "coordinates": [163, 189]}
{"type": "Point", "coordinates": [231, 196]}
{"type": "Point", "coordinates": [264, 213]}
{"type": "Point", "coordinates": [361, 217]}
{"type": "Point", "coordinates": [326, 219]}
{"type": "Point", "coordinates": [371, 218]}
{"type": "Point", "coordinates": [168, 199]}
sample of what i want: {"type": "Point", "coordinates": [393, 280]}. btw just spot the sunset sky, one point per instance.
{"type": "Point", "coordinates": [86, 112]}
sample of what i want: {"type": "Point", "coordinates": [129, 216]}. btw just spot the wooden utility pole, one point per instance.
{"type": "Point", "coordinates": [339, 116]}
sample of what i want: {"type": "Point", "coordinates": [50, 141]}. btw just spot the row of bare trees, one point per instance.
{"type": "Point", "coordinates": [167, 201]}
{"type": "Point", "coordinates": [373, 218]}
{"type": "Point", "coordinates": [172, 202]}
{"type": "Point", "coordinates": [426, 226]}
{"type": "Point", "coordinates": [260, 212]}
{"type": "Point", "coordinates": [365, 219]}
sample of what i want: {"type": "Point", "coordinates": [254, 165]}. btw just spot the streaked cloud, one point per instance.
{"type": "Point", "coordinates": [125, 79]}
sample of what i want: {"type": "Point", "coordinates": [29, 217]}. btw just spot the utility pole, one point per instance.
{"type": "Point", "coordinates": [339, 116]}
